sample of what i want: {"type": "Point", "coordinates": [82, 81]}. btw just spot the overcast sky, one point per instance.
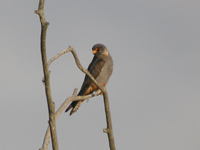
{"type": "Point", "coordinates": [154, 91]}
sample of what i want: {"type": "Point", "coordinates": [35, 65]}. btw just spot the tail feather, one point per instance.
{"type": "Point", "coordinates": [68, 108]}
{"type": "Point", "coordinates": [74, 106]}
{"type": "Point", "coordinates": [84, 91]}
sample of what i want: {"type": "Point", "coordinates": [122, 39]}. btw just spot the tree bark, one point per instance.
{"type": "Point", "coordinates": [51, 105]}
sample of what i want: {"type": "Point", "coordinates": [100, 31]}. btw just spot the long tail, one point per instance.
{"type": "Point", "coordinates": [75, 106]}
{"type": "Point", "coordinates": [84, 91]}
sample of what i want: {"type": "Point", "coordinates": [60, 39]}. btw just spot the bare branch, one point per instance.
{"type": "Point", "coordinates": [109, 129]}
{"type": "Point", "coordinates": [71, 49]}
{"type": "Point", "coordinates": [51, 105]}
{"type": "Point", "coordinates": [74, 97]}
{"type": "Point", "coordinates": [58, 55]}
{"type": "Point", "coordinates": [106, 102]}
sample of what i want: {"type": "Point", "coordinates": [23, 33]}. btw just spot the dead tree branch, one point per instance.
{"type": "Point", "coordinates": [71, 49]}
{"type": "Point", "coordinates": [51, 105]}
{"type": "Point", "coordinates": [109, 129]}
{"type": "Point", "coordinates": [74, 97]}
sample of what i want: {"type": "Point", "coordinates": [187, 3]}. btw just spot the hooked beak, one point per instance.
{"type": "Point", "coordinates": [95, 51]}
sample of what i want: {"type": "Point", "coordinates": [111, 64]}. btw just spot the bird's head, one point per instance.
{"type": "Point", "coordinates": [100, 50]}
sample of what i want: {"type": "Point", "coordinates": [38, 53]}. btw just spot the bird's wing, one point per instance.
{"type": "Point", "coordinates": [94, 68]}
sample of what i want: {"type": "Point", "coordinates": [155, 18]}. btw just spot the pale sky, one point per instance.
{"type": "Point", "coordinates": [154, 91]}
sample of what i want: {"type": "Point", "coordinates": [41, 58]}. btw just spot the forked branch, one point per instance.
{"type": "Point", "coordinates": [74, 97]}
{"type": "Point", "coordinates": [51, 107]}
{"type": "Point", "coordinates": [109, 129]}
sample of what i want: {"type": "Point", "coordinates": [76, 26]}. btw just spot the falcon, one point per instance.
{"type": "Point", "coordinates": [100, 68]}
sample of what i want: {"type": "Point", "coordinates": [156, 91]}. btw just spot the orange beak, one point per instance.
{"type": "Point", "coordinates": [95, 51]}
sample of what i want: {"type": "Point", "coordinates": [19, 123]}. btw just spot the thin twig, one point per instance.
{"type": "Point", "coordinates": [58, 55]}
{"type": "Point", "coordinates": [71, 49]}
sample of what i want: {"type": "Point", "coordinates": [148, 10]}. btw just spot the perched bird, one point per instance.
{"type": "Point", "coordinates": [100, 68]}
